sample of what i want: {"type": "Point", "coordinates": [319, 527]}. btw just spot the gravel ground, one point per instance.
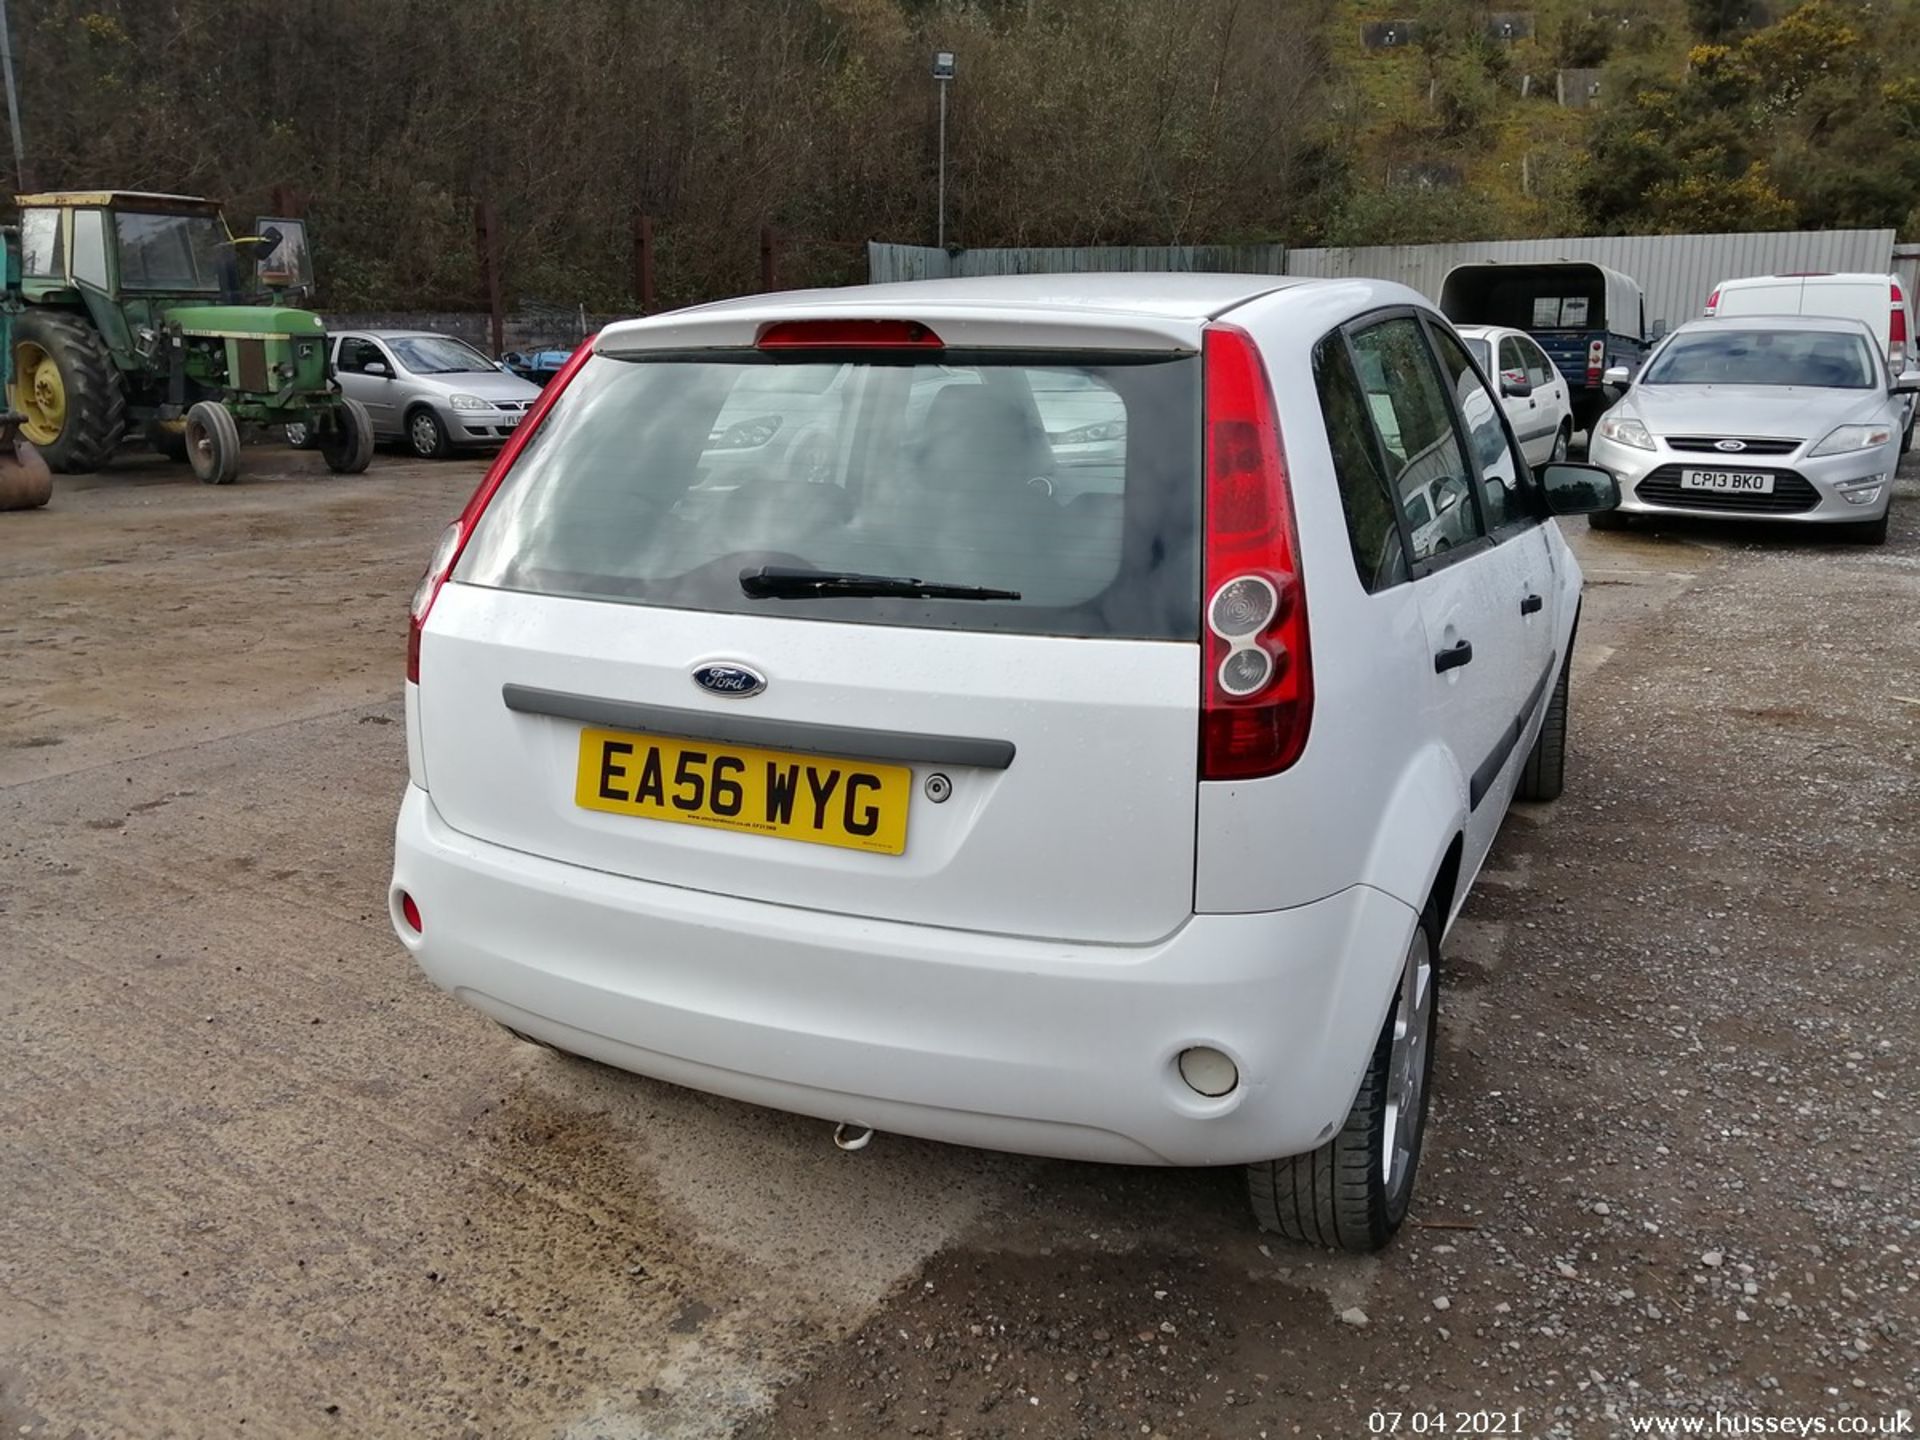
{"type": "Point", "coordinates": [256, 1176]}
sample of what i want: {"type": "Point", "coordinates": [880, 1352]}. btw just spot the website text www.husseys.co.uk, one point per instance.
{"type": "Point", "coordinates": [1738, 1422]}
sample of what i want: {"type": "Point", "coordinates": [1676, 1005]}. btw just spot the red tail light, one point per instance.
{"type": "Point", "coordinates": [446, 553]}
{"type": "Point", "coordinates": [1713, 304]}
{"type": "Point", "coordinates": [1256, 693]}
{"type": "Point", "coordinates": [1897, 332]}
{"type": "Point", "coordinates": [848, 334]}
{"type": "Point", "coordinates": [1596, 361]}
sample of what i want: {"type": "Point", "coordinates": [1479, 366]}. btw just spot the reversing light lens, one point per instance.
{"type": "Point", "coordinates": [1242, 606]}
{"type": "Point", "coordinates": [1245, 671]}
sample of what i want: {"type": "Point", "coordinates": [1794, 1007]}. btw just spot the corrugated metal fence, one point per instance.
{"type": "Point", "coordinates": [1677, 272]}
{"type": "Point", "coordinates": [927, 262]}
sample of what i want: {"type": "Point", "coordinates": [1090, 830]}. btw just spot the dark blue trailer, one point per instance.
{"type": "Point", "coordinates": [1585, 316]}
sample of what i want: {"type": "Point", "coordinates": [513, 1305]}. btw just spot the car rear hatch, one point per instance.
{"type": "Point", "coordinates": [678, 645]}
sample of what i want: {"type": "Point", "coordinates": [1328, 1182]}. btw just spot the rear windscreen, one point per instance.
{"type": "Point", "coordinates": [1073, 480]}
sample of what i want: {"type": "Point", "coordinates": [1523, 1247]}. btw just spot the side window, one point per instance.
{"type": "Point", "coordinates": [1540, 370]}
{"type": "Point", "coordinates": [42, 256]}
{"type": "Point", "coordinates": [357, 354]}
{"type": "Point", "coordinates": [1372, 530]}
{"type": "Point", "coordinates": [1512, 358]}
{"type": "Point", "coordinates": [1426, 468]}
{"type": "Point", "coordinates": [1503, 479]}
{"type": "Point", "coordinates": [90, 247]}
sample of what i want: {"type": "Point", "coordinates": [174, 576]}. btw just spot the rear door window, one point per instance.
{"type": "Point", "coordinates": [1366, 497]}
{"type": "Point", "coordinates": [1072, 479]}
{"type": "Point", "coordinates": [1426, 468]}
{"type": "Point", "coordinates": [1504, 482]}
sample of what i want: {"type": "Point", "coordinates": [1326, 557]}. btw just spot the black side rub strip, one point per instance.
{"type": "Point", "coordinates": [759, 730]}
{"type": "Point", "coordinates": [1490, 768]}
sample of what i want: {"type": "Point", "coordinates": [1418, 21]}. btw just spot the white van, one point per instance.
{"type": "Point", "coordinates": [1876, 299]}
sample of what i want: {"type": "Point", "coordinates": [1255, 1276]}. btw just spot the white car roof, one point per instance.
{"type": "Point", "coordinates": [1106, 310]}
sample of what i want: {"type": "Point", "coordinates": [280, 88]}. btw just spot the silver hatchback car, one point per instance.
{"type": "Point", "coordinates": [434, 392]}
{"type": "Point", "coordinates": [1765, 418]}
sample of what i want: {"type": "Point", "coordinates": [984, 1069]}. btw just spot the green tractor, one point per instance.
{"type": "Point", "coordinates": [135, 309]}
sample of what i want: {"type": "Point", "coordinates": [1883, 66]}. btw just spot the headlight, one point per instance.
{"type": "Point", "coordinates": [1853, 437]}
{"type": "Point", "coordinates": [470, 402]}
{"type": "Point", "coordinates": [1625, 430]}
{"type": "Point", "coordinates": [1089, 434]}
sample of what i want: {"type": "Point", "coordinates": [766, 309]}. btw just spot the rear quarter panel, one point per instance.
{"type": "Point", "coordinates": [1370, 801]}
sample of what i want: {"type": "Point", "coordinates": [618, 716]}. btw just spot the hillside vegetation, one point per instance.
{"type": "Point", "coordinates": [1071, 122]}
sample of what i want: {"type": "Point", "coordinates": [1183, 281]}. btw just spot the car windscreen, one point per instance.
{"type": "Point", "coordinates": [1822, 359]}
{"type": "Point", "coordinates": [1072, 479]}
{"type": "Point", "coordinates": [171, 252]}
{"type": "Point", "coordinates": [438, 355]}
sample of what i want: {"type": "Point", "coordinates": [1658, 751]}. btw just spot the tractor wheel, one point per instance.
{"type": "Point", "coordinates": [65, 384]}
{"type": "Point", "coordinates": [213, 443]}
{"type": "Point", "coordinates": [169, 437]}
{"type": "Point", "coordinates": [347, 443]}
{"type": "Point", "coordinates": [302, 436]}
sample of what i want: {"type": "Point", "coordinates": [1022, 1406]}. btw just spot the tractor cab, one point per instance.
{"type": "Point", "coordinates": [141, 308]}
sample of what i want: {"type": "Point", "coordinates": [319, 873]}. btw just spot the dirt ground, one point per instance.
{"type": "Point", "coordinates": [258, 1177]}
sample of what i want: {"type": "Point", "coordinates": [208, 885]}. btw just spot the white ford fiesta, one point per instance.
{"type": "Point", "coordinates": [1073, 747]}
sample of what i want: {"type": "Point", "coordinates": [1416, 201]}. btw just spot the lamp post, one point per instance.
{"type": "Point", "coordinates": [13, 100]}
{"type": "Point", "coordinates": [943, 76]}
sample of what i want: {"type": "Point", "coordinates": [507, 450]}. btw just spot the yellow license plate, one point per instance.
{"type": "Point", "coordinates": [819, 799]}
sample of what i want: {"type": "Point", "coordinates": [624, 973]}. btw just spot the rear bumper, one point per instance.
{"type": "Point", "coordinates": [1034, 1046]}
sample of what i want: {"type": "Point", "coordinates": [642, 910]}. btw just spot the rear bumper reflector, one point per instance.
{"type": "Point", "coordinates": [761, 730]}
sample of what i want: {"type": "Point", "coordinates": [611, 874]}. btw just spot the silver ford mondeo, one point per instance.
{"type": "Point", "coordinates": [1773, 418]}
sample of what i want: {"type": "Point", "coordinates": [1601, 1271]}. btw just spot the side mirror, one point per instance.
{"type": "Point", "coordinates": [1575, 489]}
{"type": "Point", "coordinates": [1907, 382]}
{"type": "Point", "coordinates": [1617, 377]}
{"type": "Point", "coordinates": [1514, 383]}
{"type": "Point", "coordinates": [1445, 501]}
{"type": "Point", "coordinates": [378, 368]}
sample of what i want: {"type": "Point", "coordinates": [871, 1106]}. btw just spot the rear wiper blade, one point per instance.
{"type": "Point", "coordinates": [780, 582]}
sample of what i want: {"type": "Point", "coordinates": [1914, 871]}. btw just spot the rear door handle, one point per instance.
{"type": "Point", "coordinates": [1453, 658]}
{"type": "Point", "coordinates": [1530, 603]}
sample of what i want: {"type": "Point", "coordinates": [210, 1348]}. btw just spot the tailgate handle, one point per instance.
{"type": "Point", "coordinates": [1453, 657]}
{"type": "Point", "coordinates": [803, 735]}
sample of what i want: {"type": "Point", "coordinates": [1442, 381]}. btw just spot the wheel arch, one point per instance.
{"type": "Point", "coordinates": [1419, 848]}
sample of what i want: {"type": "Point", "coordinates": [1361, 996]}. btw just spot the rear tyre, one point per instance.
{"type": "Point", "coordinates": [169, 438]}
{"type": "Point", "coordinates": [1607, 520]}
{"type": "Point", "coordinates": [1353, 1192]}
{"type": "Point", "coordinates": [347, 443]}
{"type": "Point", "coordinates": [426, 436]}
{"type": "Point", "coordinates": [1906, 438]}
{"type": "Point", "coordinates": [212, 442]}
{"type": "Point", "coordinates": [65, 384]}
{"type": "Point", "coordinates": [1545, 775]}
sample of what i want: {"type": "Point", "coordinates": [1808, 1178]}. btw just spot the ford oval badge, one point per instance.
{"type": "Point", "coordinates": [1730, 446]}
{"type": "Point", "coordinates": [733, 682]}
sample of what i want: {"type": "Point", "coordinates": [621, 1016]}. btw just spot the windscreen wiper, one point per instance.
{"type": "Point", "coordinates": [780, 582]}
